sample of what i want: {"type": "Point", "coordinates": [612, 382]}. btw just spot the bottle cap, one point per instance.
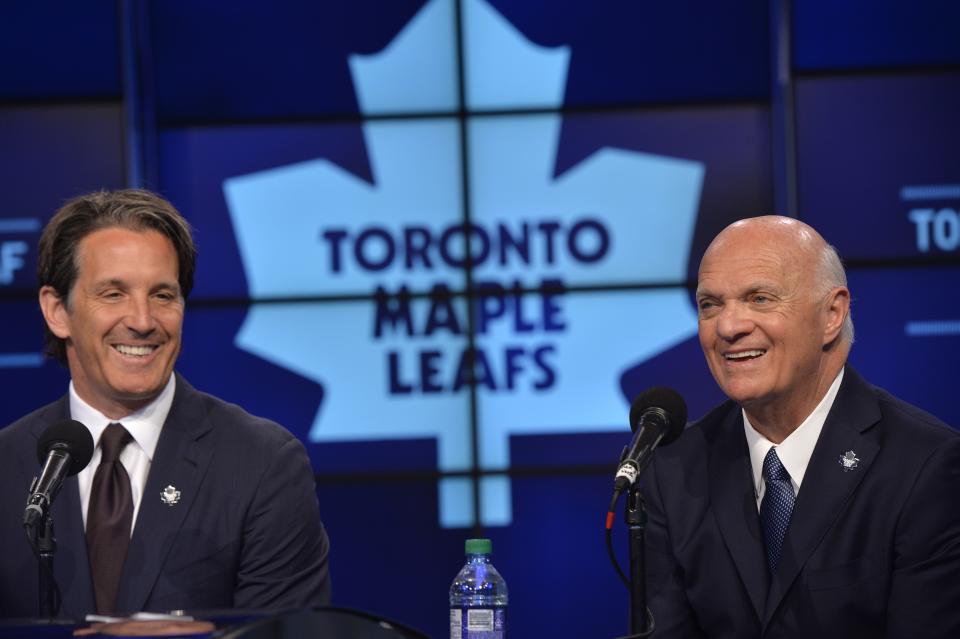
{"type": "Point", "coordinates": [478, 547]}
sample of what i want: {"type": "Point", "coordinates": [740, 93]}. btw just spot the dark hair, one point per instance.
{"type": "Point", "coordinates": [134, 209]}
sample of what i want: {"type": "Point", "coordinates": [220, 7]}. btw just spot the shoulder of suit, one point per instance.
{"type": "Point", "coordinates": [241, 426]}
{"type": "Point", "coordinates": [48, 414]}
{"type": "Point", "coordinates": [716, 414]}
{"type": "Point", "coordinates": [912, 423]}
{"type": "Point", "coordinates": [707, 425]}
{"type": "Point", "coordinates": [698, 434]}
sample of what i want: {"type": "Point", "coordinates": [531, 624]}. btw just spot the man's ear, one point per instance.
{"type": "Point", "coordinates": [54, 309]}
{"type": "Point", "coordinates": [837, 307]}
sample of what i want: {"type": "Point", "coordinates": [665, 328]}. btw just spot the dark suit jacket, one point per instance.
{"type": "Point", "coordinates": [246, 532]}
{"type": "Point", "coordinates": [872, 551]}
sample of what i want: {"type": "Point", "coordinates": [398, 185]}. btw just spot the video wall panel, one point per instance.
{"type": "Point", "coordinates": [60, 51]}
{"type": "Point", "coordinates": [628, 53]}
{"type": "Point", "coordinates": [289, 60]}
{"type": "Point", "coordinates": [899, 132]}
{"type": "Point", "coordinates": [48, 154]}
{"type": "Point", "coordinates": [307, 56]}
{"type": "Point", "coordinates": [907, 325]}
{"type": "Point", "coordinates": [872, 34]}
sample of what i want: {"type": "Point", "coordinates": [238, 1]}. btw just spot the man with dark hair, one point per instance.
{"type": "Point", "coordinates": [188, 502]}
{"type": "Point", "coordinates": [811, 504]}
{"type": "Point", "coordinates": [131, 209]}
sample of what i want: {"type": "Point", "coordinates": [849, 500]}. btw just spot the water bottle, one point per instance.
{"type": "Point", "coordinates": [478, 596]}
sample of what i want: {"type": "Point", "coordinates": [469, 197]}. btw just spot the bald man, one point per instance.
{"type": "Point", "coordinates": [811, 504]}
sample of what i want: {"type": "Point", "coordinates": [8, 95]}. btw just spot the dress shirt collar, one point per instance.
{"type": "Point", "coordinates": [144, 425]}
{"type": "Point", "coordinates": [794, 451]}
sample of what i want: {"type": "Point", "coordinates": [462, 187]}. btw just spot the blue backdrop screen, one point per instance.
{"type": "Point", "coordinates": [864, 34]}
{"type": "Point", "coordinates": [902, 200]}
{"type": "Point", "coordinates": [446, 242]}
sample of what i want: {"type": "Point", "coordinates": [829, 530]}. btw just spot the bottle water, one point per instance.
{"type": "Point", "coordinates": [478, 596]}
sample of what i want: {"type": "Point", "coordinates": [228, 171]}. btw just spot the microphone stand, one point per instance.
{"type": "Point", "coordinates": [45, 545]}
{"type": "Point", "coordinates": [636, 518]}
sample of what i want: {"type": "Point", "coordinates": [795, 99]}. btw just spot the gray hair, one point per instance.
{"type": "Point", "coordinates": [832, 275]}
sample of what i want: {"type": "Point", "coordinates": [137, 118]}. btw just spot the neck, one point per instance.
{"type": "Point", "coordinates": [115, 409]}
{"type": "Point", "coordinates": [773, 427]}
{"type": "Point", "coordinates": [777, 418]}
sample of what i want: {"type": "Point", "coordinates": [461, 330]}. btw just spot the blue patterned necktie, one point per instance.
{"type": "Point", "coordinates": [776, 506]}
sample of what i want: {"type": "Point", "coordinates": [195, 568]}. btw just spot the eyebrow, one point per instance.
{"type": "Point", "coordinates": [113, 281]}
{"type": "Point", "coordinates": [119, 283]}
{"type": "Point", "coordinates": [753, 287]}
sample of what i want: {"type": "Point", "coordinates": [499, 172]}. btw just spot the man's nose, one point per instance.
{"type": "Point", "coordinates": [733, 322]}
{"type": "Point", "coordinates": [140, 316]}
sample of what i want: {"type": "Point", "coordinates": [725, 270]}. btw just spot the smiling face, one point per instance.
{"type": "Point", "coordinates": [767, 330]}
{"type": "Point", "coordinates": [121, 320]}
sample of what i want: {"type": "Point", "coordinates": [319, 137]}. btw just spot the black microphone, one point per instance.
{"type": "Point", "coordinates": [657, 417]}
{"type": "Point", "coordinates": [64, 449]}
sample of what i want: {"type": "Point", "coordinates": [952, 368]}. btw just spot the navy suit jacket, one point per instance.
{"type": "Point", "coordinates": [246, 532]}
{"type": "Point", "coordinates": [871, 551]}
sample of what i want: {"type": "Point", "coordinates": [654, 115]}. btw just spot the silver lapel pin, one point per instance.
{"type": "Point", "coordinates": [849, 460]}
{"type": "Point", "coordinates": [170, 496]}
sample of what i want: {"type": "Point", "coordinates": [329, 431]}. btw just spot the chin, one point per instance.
{"type": "Point", "coordinates": [741, 395]}
{"type": "Point", "coordinates": [138, 392]}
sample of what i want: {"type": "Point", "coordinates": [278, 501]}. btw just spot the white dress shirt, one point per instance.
{"type": "Point", "coordinates": [144, 425]}
{"type": "Point", "coordinates": [794, 451]}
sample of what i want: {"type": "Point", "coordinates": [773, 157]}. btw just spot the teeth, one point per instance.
{"type": "Point", "coordinates": [136, 351]}
{"type": "Point", "coordinates": [745, 354]}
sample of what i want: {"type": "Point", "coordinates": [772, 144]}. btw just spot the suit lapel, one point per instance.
{"type": "Point", "coordinates": [827, 486]}
{"type": "Point", "coordinates": [181, 460]}
{"type": "Point", "coordinates": [735, 506]}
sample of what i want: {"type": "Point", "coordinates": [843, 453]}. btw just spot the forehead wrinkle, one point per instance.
{"type": "Point", "coordinates": [761, 261]}
{"type": "Point", "coordinates": [750, 287]}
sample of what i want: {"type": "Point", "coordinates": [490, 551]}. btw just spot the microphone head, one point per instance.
{"type": "Point", "coordinates": [72, 436]}
{"type": "Point", "coordinates": [667, 400]}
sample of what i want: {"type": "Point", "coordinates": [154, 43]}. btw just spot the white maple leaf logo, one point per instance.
{"type": "Point", "coordinates": [559, 374]}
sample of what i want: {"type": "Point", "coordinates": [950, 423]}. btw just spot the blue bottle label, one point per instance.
{"type": "Point", "coordinates": [478, 623]}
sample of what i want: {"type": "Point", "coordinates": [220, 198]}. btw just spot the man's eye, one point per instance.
{"type": "Point", "coordinates": [760, 299]}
